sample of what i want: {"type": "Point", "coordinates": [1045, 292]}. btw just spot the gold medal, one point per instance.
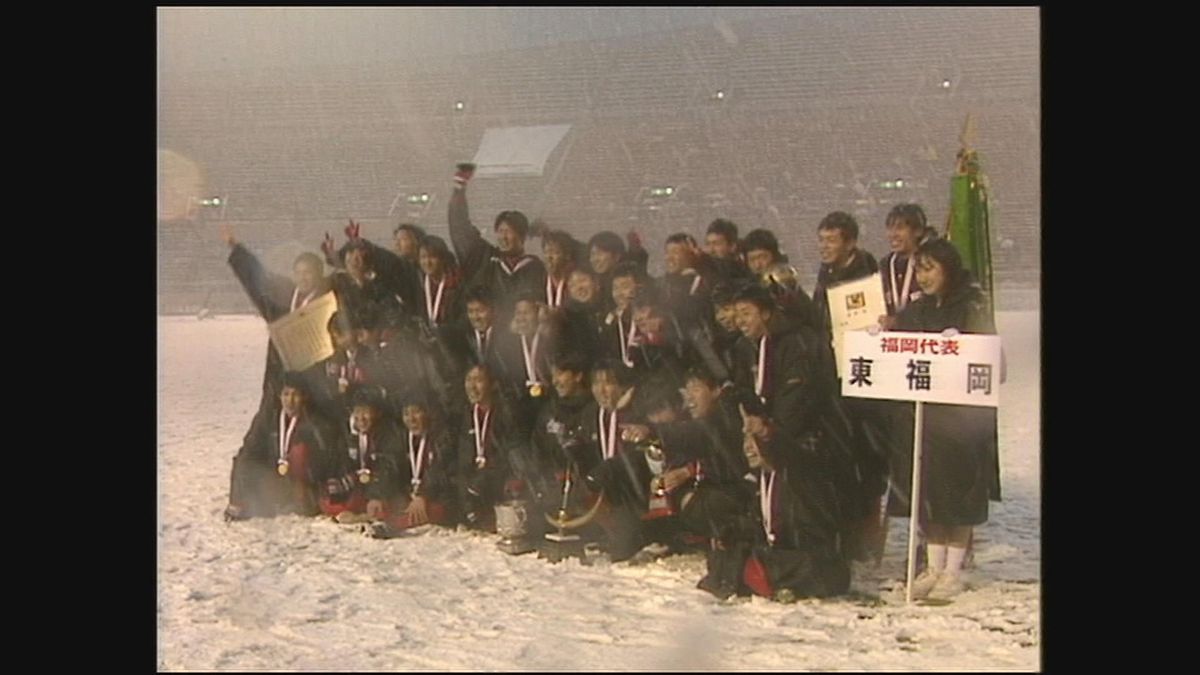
{"type": "Point", "coordinates": [282, 468]}
{"type": "Point", "coordinates": [535, 389]}
{"type": "Point", "coordinates": [364, 476]}
{"type": "Point", "coordinates": [480, 462]}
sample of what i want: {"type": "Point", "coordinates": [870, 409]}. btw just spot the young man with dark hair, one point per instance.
{"type": "Point", "coordinates": [284, 459]}
{"type": "Point", "coordinates": [770, 266]}
{"type": "Point", "coordinates": [558, 420]}
{"type": "Point", "coordinates": [407, 239]}
{"type": "Point", "coordinates": [503, 269]}
{"type": "Point", "coordinates": [841, 260]}
{"type": "Point", "coordinates": [524, 354]}
{"type": "Point", "coordinates": [562, 254]}
{"type": "Point", "coordinates": [907, 229]}
{"type": "Point", "coordinates": [790, 548]}
{"type": "Point", "coordinates": [487, 439]}
{"type": "Point", "coordinates": [275, 296]}
{"type": "Point", "coordinates": [619, 333]}
{"type": "Point", "coordinates": [609, 464]}
{"type": "Point", "coordinates": [721, 243]}
{"type": "Point", "coordinates": [687, 281]}
{"type": "Point", "coordinates": [426, 491]}
{"type": "Point", "coordinates": [368, 476]}
{"type": "Point", "coordinates": [354, 363]}
{"type": "Point", "coordinates": [659, 347]}
{"type": "Point", "coordinates": [704, 465]}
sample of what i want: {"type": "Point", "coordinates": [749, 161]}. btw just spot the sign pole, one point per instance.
{"type": "Point", "coordinates": [914, 499]}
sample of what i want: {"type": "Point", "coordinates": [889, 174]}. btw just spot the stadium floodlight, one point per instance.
{"type": "Point", "coordinates": [945, 84]}
{"type": "Point", "coordinates": [418, 198]}
{"type": "Point", "coordinates": [720, 95]}
{"type": "Point", "coordinates": [459, 105]}
{"type": "Point", "coordinates": [662, 191]}
{"type": "Point", "coordinates": [899, 182]}
{"type": "Point", "coordinates": [213, 202]}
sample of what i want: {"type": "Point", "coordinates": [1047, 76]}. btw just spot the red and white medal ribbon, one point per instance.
{"type": "Point", "coordinates": [530, 353]}
{"type": "Point", "coordinates": [554, 292]}
{"type": "Point", "coordinates": [296, 295]}
{"type": "Point", "coordinates": [626, 341]}
{"type": "Point", "coordinates": [900, 295]}
{"type": "Point", "coordinates": [760, 378]}
{"type": "Point", "coordinates": [416, 458]}
{"type": "Point", "coordinates": [608, 441]}
{"type": "Point", "coordinates": [766, 500]}
{"type": "Point", "coordinates": [514, 269]}
{"type": "Point", "coordinates": [285, 435]}
{"type": "Point", "coordinates": [481, 430]}
{"type": "Point", "coordinates": [433, 305]}
{"type": "Point", "coordinates": [364, 444]}
{"type": "Point", "coordinates": [481, 341]}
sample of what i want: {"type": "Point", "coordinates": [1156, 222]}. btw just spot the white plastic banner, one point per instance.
{"type": "Point", "coordinates": [929, 367]}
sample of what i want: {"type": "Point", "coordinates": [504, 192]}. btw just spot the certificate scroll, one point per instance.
{"type": "Point", "coordinates": [854, 305]}
{"type": "Point", "coordinates": [301, 337]}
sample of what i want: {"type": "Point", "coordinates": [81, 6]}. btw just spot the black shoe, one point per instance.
{"type": "Point", "coordinates": [233, 513]}
{"type": "Point", "coordinates": [719, 590]}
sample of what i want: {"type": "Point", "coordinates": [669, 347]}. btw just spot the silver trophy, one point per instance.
{"type": "Point", "coordinates": [512, 524]}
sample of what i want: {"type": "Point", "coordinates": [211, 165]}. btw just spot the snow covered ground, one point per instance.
{"type": "Point", "coordinates": [308, 594]}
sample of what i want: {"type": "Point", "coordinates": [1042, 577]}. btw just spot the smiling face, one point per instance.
{"type": "Point", "coordinates": [931, 276]}
{"type": "Point", "coordinates": [699, 398]}
{"type": "Point", "coordinates": [292, 400]}
{"type": "Point", "coordinates": [525, 318]}
{"type": "Point", "coordinates": [555, 258]}
{"type": "Point", "coordinates": [623, 291]}
{"type": "Point", "coordinates": [416, 419]}
{"type": "Point", "coordinates": [567, 382]}
{"type": "Point", "coordinates": [718, 246]}
{"type": "Point", "coordinates": [606, 389]}
{"type": "Point", "coordinates": [480, 315]}
{"type": "Point", "coordinates": [903, 237]}
{"type": "Point", "coordinates": [834, 248]}
{"type": "Point", "coordinates": [582, 287]}
{"type": "Point", "coordinates": [726, 316]}
{"type": "Point", "coordinates": [356, 260]}
{"type": "Point", "coordinates": [306, 276]}
{"type": "Point", "coordinates": [478, 385]}
{"type": "Point", "coordinates": [431, 264]}
{"type": "Point", "coordinates": [602, 260]}
{"type": "Point", "coordinates": [404, 244]}
{"type": "Point", "coordinates": [751, 319]}
{"type": "Point", "coordinates": [365, 417]}
{"type": "Point", "coordinates": [678, 257]}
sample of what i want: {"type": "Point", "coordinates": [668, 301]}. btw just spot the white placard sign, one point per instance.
{"type": "Point", "coordinates": [929, 367]}
{"type": "Point", "coordinates": [853, 305]}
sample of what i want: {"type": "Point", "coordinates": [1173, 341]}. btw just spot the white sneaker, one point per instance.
{"type": "Point", "coordinates": [949, 584]}
{"type": "Point", "coordinates": [924, 583]}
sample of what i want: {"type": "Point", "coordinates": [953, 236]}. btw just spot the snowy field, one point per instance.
{"type": "Point", "coordinates": [308, 594]}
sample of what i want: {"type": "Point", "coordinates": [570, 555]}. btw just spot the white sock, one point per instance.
{"type": "Point", "coordinates": [937, 556]}
{"type": "Point", "coordinates": [954, 559]}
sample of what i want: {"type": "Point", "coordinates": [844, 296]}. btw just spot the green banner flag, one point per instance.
{"type": "Point", "coordinates": [968, 226]}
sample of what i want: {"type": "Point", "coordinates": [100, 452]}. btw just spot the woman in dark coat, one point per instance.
{"type": "Point", "coordinates": [958, 441]}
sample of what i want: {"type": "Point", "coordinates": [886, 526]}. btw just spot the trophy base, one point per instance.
{"type": "Point", "coordinates": [516, 546]}
{"type": "Point", "coordinates": [654, 514]}
{"type": "Point", "coordinates": [558, 547]}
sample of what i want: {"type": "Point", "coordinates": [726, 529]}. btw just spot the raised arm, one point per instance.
{"type": "Point", "coordinates": [469, 245]}
{"type": "Point", "coordinates": [269, 292]}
